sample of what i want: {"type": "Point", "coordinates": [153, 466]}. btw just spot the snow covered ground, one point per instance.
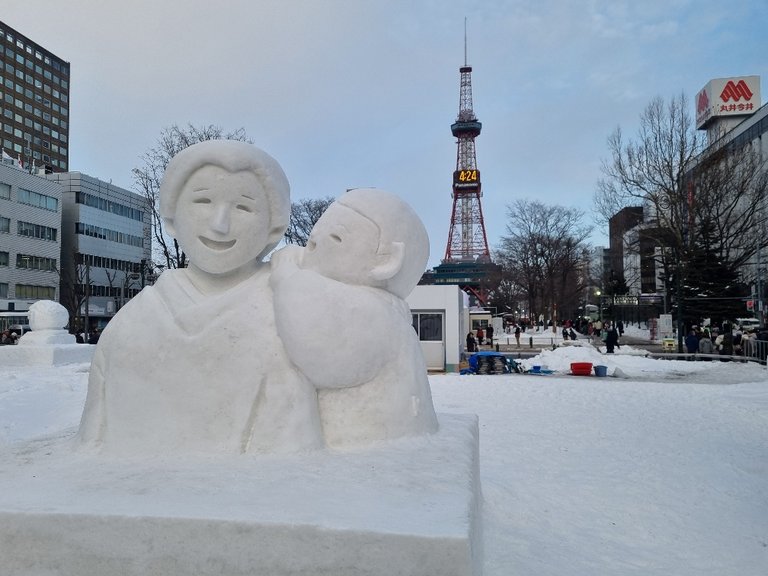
{"type": "Point", "coordinates": [661, 469]}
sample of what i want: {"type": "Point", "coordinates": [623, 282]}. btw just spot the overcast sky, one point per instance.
{"type": "Point", "coordinates": [349, 93]}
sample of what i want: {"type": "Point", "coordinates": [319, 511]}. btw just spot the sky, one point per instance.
{"type": "Point", "coordinates": [359, 93]}
{"type": "Point", "coordinates": [661, 468]}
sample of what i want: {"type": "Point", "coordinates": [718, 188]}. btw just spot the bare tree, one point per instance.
{"type": "Point", "coordinates": [71, 285]}
{"type": "Point", "coordinates": [123, 282]}
{"type": "Point", "coordinates": [687, 191]}
{"type": "Point", "coordinates": [304, 214]}
{"type": "Point", "coordinates": [726, 189]}
{"type": "Point", "coordinates": [544, 253]}
{"type": "Point", "coordinates": [147, 178]}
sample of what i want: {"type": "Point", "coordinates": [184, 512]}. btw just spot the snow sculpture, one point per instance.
{"type": "Point", "coordinates": [193, 364]}
{"type": "Point", "coordinates": [364, 256]}
{"type": "Point", "coordinates": [237, 355]}
{"type": "Point", "coordinates": [47, 320]}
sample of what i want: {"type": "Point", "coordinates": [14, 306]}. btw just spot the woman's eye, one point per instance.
{"type": "Point", "coordinates": [336, 238]}
{"type": "Point", "coordinates": [244, 208]}
{"type": "Point", "coordinates": [201, 201]}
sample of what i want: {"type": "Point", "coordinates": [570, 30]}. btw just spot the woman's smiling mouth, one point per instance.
{"type": "Point", "coordinates": [216, 245]}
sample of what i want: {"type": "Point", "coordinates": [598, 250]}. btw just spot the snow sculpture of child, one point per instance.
{"type": "Point", "coordinates": [47, 320]}
{"type": "Point", "coordinates": [192, 364]}
{"type": "Point", "coordinates": [340, 310]}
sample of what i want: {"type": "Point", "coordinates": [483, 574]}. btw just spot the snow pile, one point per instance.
{"type": "Point", "coordinates": [631, 363]}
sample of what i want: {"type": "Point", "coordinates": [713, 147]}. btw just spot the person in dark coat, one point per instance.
{"type": "Point", "coordinates": [726, 344]}
{"type": "Point", "coordinates": [471, 343]}
{"type": "Point", "coordinates": [692, 342]}
{"type": "Point", "coordinates": [489, 335]}
{"type": "Point", "coordinates": [611, 339]}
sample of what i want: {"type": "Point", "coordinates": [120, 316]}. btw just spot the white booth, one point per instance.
{"type": "Point", "coordinates": [439, 319]}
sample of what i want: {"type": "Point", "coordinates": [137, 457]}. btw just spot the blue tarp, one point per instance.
{"type": "Point", "coordinates": [490, 363]}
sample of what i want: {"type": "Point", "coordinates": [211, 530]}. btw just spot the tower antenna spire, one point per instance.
{"type": "Point", "coordinates": [465, 40]}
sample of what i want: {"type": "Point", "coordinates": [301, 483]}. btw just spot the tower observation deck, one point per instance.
{"type": "Point", "coordinates": [467, 260]}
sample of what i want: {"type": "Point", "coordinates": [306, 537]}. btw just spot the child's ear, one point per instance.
{"type": "Point", "coordinates": [389, 263]}
{"type": "Point", "coordinates": [276, 233]}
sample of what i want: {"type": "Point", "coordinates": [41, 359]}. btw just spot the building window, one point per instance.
{"type": "Point", "coordinates": [5, 224]}
{"type": "Point", "coordinates": [5, 190]}
{"type": "Point", "coordinates": [3, 290]}
{"type": "Point", "coordinates": [429, 326]}
{"type": "Point", "coordinates": [30, 262]}
{"type": "Point", "coordinates": [107, 205]}
{"type": "Point", "coordinates": [106, 234]}
{"type": "Point", "coordinates": [35, 292]}
{"type": "Point", "coordinates": [38, 200]}
{"type": "Point", "coordinates": [3, 258]}
{"type": "Point", "coordinates": [36, 231]}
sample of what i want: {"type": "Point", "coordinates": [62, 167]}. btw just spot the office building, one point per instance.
{"type": "Point", "coordinates": [30, 238]}
{"type": "Point", "coordinates": [105, 246]}
{"type": "Point", "coordinates": [34, 95]}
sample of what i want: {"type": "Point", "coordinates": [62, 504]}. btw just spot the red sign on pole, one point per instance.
{"type": "Point", "coordinates": [750, 304]}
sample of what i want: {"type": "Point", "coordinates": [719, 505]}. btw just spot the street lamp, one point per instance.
{"type": "Point", "coordinates": [599, 304]}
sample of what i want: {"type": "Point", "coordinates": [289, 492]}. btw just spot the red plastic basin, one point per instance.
{"type": "Point", "coordinates": [581, 368]}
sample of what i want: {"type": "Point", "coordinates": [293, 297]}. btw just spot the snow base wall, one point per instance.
{"type": "Point", "coordinates": [54, 355]}
{"type": "Point", "coordinates": [406, 507]}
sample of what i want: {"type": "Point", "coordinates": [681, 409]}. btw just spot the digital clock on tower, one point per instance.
{"type": "Point", "coordinates": [466, 177]}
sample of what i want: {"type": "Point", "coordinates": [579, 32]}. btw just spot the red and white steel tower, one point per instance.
{"type": "Point", "coordinates": [467, 241]}
{"type": "Point", "coordinates": [467, 261]}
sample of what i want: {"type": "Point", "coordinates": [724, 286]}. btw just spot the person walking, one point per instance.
{"type": "Point", "coordinates": [517, 335]}
{"type": "Point", "coordinates": [611, 339]}
{"type": "Point", "coordinates": [489, 336]}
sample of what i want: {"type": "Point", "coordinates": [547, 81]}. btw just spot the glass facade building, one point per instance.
{"type": "Point", "coordinates": [106, 241]}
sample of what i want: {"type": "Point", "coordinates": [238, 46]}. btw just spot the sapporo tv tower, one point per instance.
{"type": "Point", "coordinates": [467, 259]}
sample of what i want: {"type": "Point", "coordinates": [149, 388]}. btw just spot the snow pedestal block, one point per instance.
{"type": "Point", "coordinates": [53, 355]}
{"type": "Point", "coordinates": [410, 507]}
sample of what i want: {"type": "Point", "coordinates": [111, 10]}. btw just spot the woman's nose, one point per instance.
{"type": "Point", "coordinates": [220, 219]}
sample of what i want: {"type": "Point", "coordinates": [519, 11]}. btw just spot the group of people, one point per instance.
{"type": "Point", "coordinates": [597, 327]}
{"type": "Point", "coordinates": [93, 337]}
{"type": "Point", "coordinates": [726, 343]}
{"type": "Point", "coordinates": [569, 333]}
{"type": "Point", "coordinates": [478, 337]}
{"type": "Point", "coordinates": [7, 338]}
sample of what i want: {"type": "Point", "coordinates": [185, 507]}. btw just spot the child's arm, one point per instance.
{"type": "Point", "coordinates": [333, 332]}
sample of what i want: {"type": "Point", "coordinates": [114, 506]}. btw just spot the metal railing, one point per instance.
{"type": "Point", "coordinates": [754, 351]}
